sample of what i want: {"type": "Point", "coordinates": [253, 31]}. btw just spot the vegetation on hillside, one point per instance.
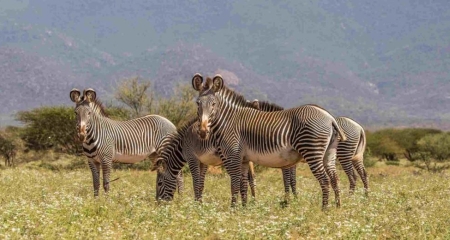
{"type": "Point", "coordinates": [53, 128]}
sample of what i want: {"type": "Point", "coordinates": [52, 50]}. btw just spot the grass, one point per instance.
{"type": "Point", "coordinates": [43, 204]}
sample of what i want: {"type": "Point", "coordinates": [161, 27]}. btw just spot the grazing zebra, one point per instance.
{"type": "Point", "coordinates": [274, 139]}
{"type": "Point", "coordinates": [106, 140]}
{"type": "Point", "coordinates": [198, 153]}
{"type": "Point", "coordinates": [350, 153]}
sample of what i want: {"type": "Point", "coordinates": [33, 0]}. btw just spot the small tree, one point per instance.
{"type": "Point", "coordinates": [8, 150]}
{"type": "Point", "coordinates": [134, 93]}
{"type": "Point", "coordinates": [434, 147]}
{"type": "Point", "coordinates": [180, 107]}
{"type": "Point", "coordinates": [408, 138]}
{"type": "Point", "coordinates": [383, 146]}
{"type": "Point", "coordinates": [49, 128]}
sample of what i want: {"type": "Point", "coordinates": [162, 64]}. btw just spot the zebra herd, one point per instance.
{"type": "Point", "coordinates": [230, 131]}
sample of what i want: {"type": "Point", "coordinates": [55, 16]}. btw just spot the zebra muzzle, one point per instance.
{"type": "Point", "coordinates": [203, 133]}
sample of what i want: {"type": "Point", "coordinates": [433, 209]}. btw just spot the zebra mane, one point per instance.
{"type": "Point", "coordinates": [96, 107]}
{"type": "Point", "coordinates": [269, 107]}
{"type": "Point", "coordinates": [234, 97]}
{"type": "Point", "coordinates": [174, 138]}
{"type": "Point", "coordinates": [182, 130]}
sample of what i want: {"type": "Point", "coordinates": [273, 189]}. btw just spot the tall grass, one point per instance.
{"type": "Point", "coordinates": [44, 204]}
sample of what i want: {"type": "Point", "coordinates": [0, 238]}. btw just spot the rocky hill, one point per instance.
{"type": "Point", "coordinates": [384, 64]}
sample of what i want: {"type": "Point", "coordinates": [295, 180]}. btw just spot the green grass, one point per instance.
{"type": "Point", "coordinates": [44, 204]}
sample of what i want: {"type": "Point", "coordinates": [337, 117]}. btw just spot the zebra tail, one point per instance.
{"type": "Point", "coordinates": [359, 153]}
{"type": "Point", "coordinates": [339, 130]}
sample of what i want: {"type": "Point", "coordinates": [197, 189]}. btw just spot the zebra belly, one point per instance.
{"type": "Point", "coordinates": [283, 158]}
{"type": "Point", "coordinates": [118, 157]}
{"type": "Point", "coordinates": [210, 159]}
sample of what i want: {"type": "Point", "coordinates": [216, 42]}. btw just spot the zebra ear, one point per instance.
{"type": "Point", "coordinates": [217, 82]}
{"type": "Point", "coordinates": [90, 94]}
{"type": "Point", "coordinates": [255, 104]}
{"type": "Point", "coordinates": [75, 95]}
{"type": "Point", "coordinates": [197, 82]}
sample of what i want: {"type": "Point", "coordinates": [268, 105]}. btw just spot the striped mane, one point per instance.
{"type": "Point", "coordinates": [234, 97]}
{"type": "Point", "coordinates": [269, 107]}
{"type": "Point", "coordinates": [173, 139]}
{"type": "Point", "coordinates": [97, 107]}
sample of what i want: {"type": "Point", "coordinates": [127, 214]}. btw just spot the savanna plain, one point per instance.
{"type": "Point", "coordinates": [404, 203]}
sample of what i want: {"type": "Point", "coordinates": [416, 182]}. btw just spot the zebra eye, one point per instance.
{"type": "Point", "coordinates": [213, 104]}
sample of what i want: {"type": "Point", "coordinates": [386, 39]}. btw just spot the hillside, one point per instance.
{"type": "Point", "coordinates": [380, 63]}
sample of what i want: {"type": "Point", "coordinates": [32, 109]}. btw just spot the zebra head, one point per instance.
{"type": "Point", "coordinates": [165, 185]}
{"type": "Point", "coordinates": [82, 109]}
{"type": "Point", "coordinates": [207, 102]}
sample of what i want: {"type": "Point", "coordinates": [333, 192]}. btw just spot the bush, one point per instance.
{"type": "Point", "coordinates": [49, 128]}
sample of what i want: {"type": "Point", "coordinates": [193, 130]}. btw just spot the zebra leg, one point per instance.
{"type": "Point", "coordinates": [330, 168]}
{"type": "Point", "coordinates": [251, 180]}
{"type": "Point", "coordinates": [232, 163]}
{"type": "Point", "coordinates": [359, 166]}
{"type": "Point", "coordinates": [293, 177]}
{"type": "Point", "coordinates": [95, 169]}
{"type": "Point", "coordinates": [286, 181]}
{"type": "Point", "coordinates": [203, 169]}
{"type": "Point", "coordinates": [194, 166]}
{"type": "Point", "coordinates": [180, 182]}
{"type": "Point", "coordinates": [347, 165]}
{"type": "Point", "coordinates": [320, 174]}
{"type": "Point", "coordinates": [106, 170]}
{"type": "Point", "coordinates": [244, 182]}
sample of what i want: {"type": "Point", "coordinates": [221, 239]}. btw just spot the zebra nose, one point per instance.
{"type": "Point", "coordinates": [202, 134]}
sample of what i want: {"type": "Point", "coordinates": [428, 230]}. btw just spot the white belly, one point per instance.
{"type": "Point", "coordinates": [129, 158]}
{"type": "Point", "coordinates": [210, 159]}
{"type": "Point", "coordinates": [280, 159]}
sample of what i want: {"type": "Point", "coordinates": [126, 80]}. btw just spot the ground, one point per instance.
{"type": "Point", "coordinates": [42, 204]}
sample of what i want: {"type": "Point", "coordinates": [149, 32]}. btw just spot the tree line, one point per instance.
{"type": "Point", "coordinates": [53, 128]}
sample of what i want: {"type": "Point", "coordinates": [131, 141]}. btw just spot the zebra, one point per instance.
{"type": "Point", "coordinates": [198, 153]}
{"type": "Point", "coordinates": [274, 139]}
{"type": "Point", "coordinates": [106, 141]}
{"type": "Point", "coordinates": [349, 153]}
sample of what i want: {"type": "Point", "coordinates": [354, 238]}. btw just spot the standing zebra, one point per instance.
{"type": "Point", "coordinates": [106, 141]}
{"type": "Point", "coordinates": [350, 153]}
{"type": "Point", "coordinates": [274, 139]}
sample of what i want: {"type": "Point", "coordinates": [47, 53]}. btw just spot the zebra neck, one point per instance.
{"type": "Point", "coordinates": [97, 126]}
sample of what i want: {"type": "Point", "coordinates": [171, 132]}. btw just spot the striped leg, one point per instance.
{"type": "Point", "coordinates": [244, 182]}
{"type": "Point", "coordinates": [232, 163]}
{"type": "Point", "coordinates": [347, 165]}
{"type": "Point", "coordinates": [330, 167]}
{"type": "Point", "coordinates": [106, 170]}
{"type": "Point", "coordinates": [203, 170]}
{"type": "Point", "coordinates": [286, 172]}
{"type": "Point", "coordinates": [195, 168]}
{"type": "Point", "coordinates": [251, 182]}
{"type": "Point", "coordinates": [95, 169]}
{"type": "Point", "coordinates": [359, 166]}
{"type": "Point", "coordinates": [293, 178]}
{"type": "Point", "coordinates": [180, 182]}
